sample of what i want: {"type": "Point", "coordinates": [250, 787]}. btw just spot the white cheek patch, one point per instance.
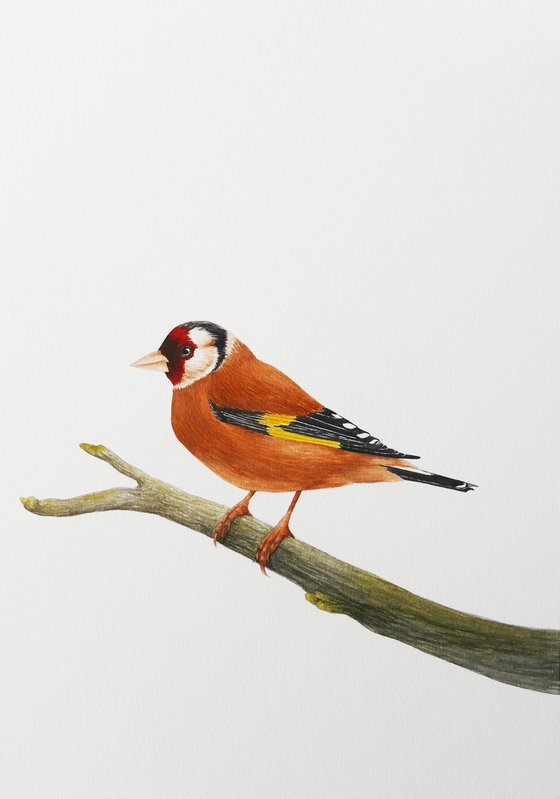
{"type": "Point", "coordinates": [198, 366]}
{"type": "Point", "coordinates": [205, 357]}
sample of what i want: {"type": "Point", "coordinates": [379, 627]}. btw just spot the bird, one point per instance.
{"type": "Point", "coordinates": [258, 429]}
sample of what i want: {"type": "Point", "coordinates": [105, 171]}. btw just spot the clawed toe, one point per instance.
{"type": "Point", "coordinates": [262, 558]}
{"type": "Point", "coordinates": [224, 525]}
{"type": "Point", "coordinates": [270, 544]}
{"type": "Point", "coordinates": [274, 537]}
{"type": "Point", "coordinates": [221, 530]}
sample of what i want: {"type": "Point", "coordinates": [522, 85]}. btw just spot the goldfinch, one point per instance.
{"type": "Point", "coordinates": [256, 428]}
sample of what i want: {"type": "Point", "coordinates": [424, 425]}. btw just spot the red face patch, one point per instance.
{"type": "Point", "coordinates": [178, 347]}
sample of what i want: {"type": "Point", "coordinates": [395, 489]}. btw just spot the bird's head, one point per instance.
{"type": "Point", "coordinates": [189, 352]}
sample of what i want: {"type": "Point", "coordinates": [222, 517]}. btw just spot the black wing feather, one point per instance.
{"type": "Point", "coordinates": [323, 425]}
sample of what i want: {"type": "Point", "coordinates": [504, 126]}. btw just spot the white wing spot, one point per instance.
{"type": "Point", "coordinates": [336, 416]}
{"type": "Point", "coordinates": [363, 435]}
{"type": "Point", "coordinates": [349, 425]}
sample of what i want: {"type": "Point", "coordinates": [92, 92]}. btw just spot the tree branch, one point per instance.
{"type": "Point", "coordinates": [521, 656]}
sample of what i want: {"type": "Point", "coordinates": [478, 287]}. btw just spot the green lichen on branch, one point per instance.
{"type": "Point", "coordinates": [97, 450]}
{"type": "Point", "coordinates": [327, 603]}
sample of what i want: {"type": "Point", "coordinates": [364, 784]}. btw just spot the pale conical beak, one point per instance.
{"type": "Point", "coordinates": [155, 360]}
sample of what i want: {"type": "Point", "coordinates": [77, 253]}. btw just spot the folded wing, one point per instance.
{"type": "Point", "coordinates": [322, 427]}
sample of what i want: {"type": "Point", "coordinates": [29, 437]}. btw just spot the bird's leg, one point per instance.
{"type": "Point", "coordinates": [223, 526]}
{"type": "Point", "coordinates": [274, 538]}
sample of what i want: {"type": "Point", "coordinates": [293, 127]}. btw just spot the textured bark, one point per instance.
{"type": "Point", "coordinates": [521, 656]}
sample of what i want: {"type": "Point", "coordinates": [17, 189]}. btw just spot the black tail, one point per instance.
{"type": "Point", "coordinates": [418, 476]}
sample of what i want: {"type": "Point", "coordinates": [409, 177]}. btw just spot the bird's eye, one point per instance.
{"type": "Point", "coordinates": [186, 352]}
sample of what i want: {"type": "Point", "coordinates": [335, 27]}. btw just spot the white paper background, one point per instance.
{"type": "Point", "coordinates": [368, 195]}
